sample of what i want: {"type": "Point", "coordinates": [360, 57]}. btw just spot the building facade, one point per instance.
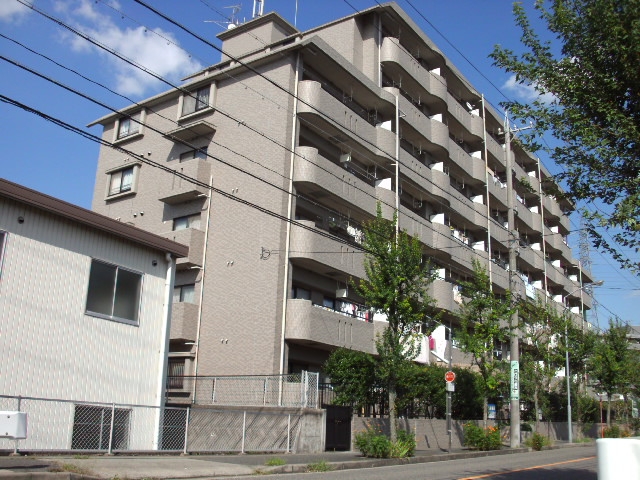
{"type": "Point", "coordinates": [268, 163]}
{"type": "Point", "coordinates": [83, 300]}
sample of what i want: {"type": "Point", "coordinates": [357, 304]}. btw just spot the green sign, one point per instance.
{"type": "Point", "coordinates": [515, 380]}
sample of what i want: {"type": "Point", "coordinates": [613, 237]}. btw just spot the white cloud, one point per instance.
{"type": "Point", "coordinates": [146, 48]}
{"type": "Point", "coordinates": [12, 11]}
{"type": "Point", "coordinates": [525, 91]}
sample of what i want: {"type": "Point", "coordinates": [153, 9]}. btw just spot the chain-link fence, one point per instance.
{"type": "Point", "coordinates": [61, 425]}
{"type": "Point", "coordinates": [298, 390]}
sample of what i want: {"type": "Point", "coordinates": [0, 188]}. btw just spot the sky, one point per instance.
{"type": "Point", "coordinates": [43, 156]}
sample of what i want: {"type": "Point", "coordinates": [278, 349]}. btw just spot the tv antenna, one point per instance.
{"type": "Point", "coordinates": [233, 20]}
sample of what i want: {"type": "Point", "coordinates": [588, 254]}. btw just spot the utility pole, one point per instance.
{"type": "Point", "coordinates": [515, 339]}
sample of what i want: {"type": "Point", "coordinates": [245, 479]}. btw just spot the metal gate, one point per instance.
{"type": "Point", "coordinates": [338, 427]}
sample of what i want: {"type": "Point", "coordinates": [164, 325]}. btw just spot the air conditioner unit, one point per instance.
{"type": "Point", "coordinates": [345, 158]}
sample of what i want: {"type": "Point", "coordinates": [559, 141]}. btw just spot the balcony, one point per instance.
{"type": "Point", "coordinates": [473, 166]}
{"type": "Point", "coordinates": [184, 321]}
{"type": "Point", "coordinates": [343, 125]}
{"type": "Point", "coordinates": [498, 190]}
{"type": "Point", "coordinates": [419, 129]}
{"type": "Point", "coordinates": [472, 123]}
{"type": "Point", "coordinates": [192, 237]}
{"type": "Point", "coordinates": [496, 150]}
{"type": "Point", "coordinates": [313, 171]}
{"type": "Point", "coordinates": [324, 255]}
{"type": "Point", "coordinates": [314, 325]}
{"type": "Point", "coordinates": [446, 295]}
{"type": "Point", "coordinates": [183, 190]}
{"type": "Point", "coordinates": [533, 259]}
{"type": "Point", "coordinates": [552, 209]}
{"type": "Point", "coordinates": [399, 64]}
{"type": "Point", "coordinates": [189, 131]}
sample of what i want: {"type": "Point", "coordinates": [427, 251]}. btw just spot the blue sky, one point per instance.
{"type": "Point", "coordinates": [45, 157]}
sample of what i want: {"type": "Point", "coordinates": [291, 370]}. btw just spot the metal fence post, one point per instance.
{"type": "Point", "coordinates": [244, 429]}
{"type": "Point", "coordinates": [186, 431]}
{"type": "Point", "coordinates": [213, 390]}
{"type": "Point", "coordinates": [288, 432]}
{"type": "Point", "coordinates": [113, 417]}
{"type": "Point", "coordinates": [264, 395]}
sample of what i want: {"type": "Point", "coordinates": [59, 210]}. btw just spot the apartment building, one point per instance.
{"type": "Point", "coordinates": [268, 163]}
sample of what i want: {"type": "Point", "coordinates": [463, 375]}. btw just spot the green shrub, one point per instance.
{"type": "Point", "coordinates": [612, 432]}
{"type": "Point", "coordinates": [275, 462]}
{"type": "Point", "coordinates": [321, 466]}
{"type": "Point", "coordinates": [525, 427]}
{"type": "Point", "coordinates": [373, 443]}
{"type": "Point", "coordinates": [537, 441]}
{"type": "Point", "coordinates": [476, 437]}
{"type": "Point", "coordinates": [408, 441]}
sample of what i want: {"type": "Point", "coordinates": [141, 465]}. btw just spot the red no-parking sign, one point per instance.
{"type": "Point", "coordinates": [449, 376]}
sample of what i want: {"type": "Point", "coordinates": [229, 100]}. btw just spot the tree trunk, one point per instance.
{"type": "Point", "coordinates": [536, 405]}
{"type": "Point", "coordinates": [485, 411]}
{"type": "Point", "coordinates": [392, 411]}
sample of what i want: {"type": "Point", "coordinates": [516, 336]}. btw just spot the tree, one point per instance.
{"type": "Point", "coordinates": [484, 326]}
{"type": "Point", "coordinates": [540, 356]}
{"type": "Point", "coordinates": [613, 365]}
{"type": "Point", "coordinates": [353, 376]}
{"type": "Point", "coordinates": [395, 285]}
{"type": "Point", "coordinates": [589, 100]}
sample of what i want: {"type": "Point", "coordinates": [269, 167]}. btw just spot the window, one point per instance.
{"type": "Point", "coordinates": [121, 181]}
{"type": "Point", "coordinates": [128, 126]}
{"type": "Point", "coordinates": [113, 292]}
{"type": "Point", "coordinates": [92, 428]}
{"type": "Point", "coordinates": [200, 153]}
{"type": "Point", "coordinates": [196, 100]}
{"type": "Point", "coordinates": [302, 293]}
{"type": "Point", "coordinates": [175, 373]}
{"type": "Point", "coordinates": [189, 221]}
{"type": "Point", "coordinates": [184, 293]}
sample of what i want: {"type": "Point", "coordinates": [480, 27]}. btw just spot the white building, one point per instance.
{"type": "Point", "coordinates": [85, 310]}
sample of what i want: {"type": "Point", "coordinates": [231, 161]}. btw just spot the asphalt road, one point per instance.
{"type": "Point", "coordinates": [577, 463]}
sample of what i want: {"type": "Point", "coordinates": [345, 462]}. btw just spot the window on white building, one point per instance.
{"type": "Point", "coordinates": [188, 221]}
{"type": "Point", "coordinates": [129, 125]}
{"type": "Point", "coordinates": [113, 292]}
{"type": "Point", "coordinates": [196, 100]}
{"type": "Point", "coordinates": [184, 293]}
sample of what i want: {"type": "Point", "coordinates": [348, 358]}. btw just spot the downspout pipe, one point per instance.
{"type": "Point", "coordinates": [285, 281]}
{"type": "Point", "coordinates": [164, 349]}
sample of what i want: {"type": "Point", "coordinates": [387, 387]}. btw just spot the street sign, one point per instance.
{"type": "Point", "coordinates": [449, 376]}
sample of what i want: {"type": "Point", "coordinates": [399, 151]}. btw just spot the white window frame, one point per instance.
{"type": "Point", "coordinates": [113, 173]}
{"type": "Point", "coordinates": [198, 106]}
{"type": "Point", "coordinates": [98, 291]}
{"type": "Point", "coordinates": [135, 123]}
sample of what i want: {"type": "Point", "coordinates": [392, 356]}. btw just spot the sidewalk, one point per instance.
{"type": "Point", "coordinates": [89, 467]}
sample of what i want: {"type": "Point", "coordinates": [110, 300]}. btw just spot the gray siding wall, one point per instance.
{"type": "Point", "coordinates": [50, 347]}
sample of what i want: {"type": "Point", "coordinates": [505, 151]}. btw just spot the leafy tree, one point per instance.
{"type": "Point", "coordinates": [589, 100]}
{"type": "Point", "coordinates": [484, 326]}
{"type": "Point", "coordinates": [540, 356]}
{"type": "Point", "coordinates": [353, 376]}
{"type": "Point", "coordinates": [612, 365]}
{"type": "Point", "coordinates": [395, 285]}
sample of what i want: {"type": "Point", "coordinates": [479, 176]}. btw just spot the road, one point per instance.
{"type": "Point", "coordinates": [577, 463]}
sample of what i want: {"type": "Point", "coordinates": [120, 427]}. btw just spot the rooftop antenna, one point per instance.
{"type": "Point", "coordinates": [233, 20]}
{"type": "Point", "coordinates": [258, 8]}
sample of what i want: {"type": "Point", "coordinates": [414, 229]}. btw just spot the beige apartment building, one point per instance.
{"type": "Point", "coordinates": [267, 164]}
